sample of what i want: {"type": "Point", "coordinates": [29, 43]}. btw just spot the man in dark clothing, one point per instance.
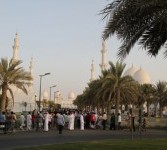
{"type": "Point", "coordinates": [39, 121]}
{"type": "Point", "coordinates": [112, 121]}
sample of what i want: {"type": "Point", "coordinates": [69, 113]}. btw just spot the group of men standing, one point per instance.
{"type": "Point", "coordinates": [62, 120]}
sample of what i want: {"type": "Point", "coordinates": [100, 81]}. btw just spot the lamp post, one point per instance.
{"type": "Point", "coordinates": [40, 88]}
{"type": "Point", "coordinates": [50, 96]}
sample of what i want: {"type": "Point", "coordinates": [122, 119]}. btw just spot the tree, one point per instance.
{"type": "Point", "coordinates": [7, 101]}
{"type": "Point", "coordinates": [44, 103]}
{"type": "Point", "coordinates": [93, 94]}
{"type": "Point", "coordinates": [111, 89]}
{"type": "Point", "coordinates": [80, 101]}
{"type": "Point", "coordinates": [137, 21]}
{"type": "Point", "coordinates": [161, 92]}
{"type": "Point", "coordinates": [11, 74]}
{"type": "Point", "coordinates": [147, 93]}
{"type": "Point", "coordinates": [120, 88]}
{"type": "Point", "coordinates": [52, 106]}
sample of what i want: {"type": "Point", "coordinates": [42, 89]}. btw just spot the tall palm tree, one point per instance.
{"type": "Point", "coordinates": [91, 97]}
{"type": "Point", "coordinates": [11, 74]}
{"type": "Point", "coordinates": [101, 96]}
{"type": "Point", "coordinates": [120, 88]}
{"type": "Point", "coordinates": [79, 101]}
{"type": "Point", "coordinates": [82, 100]}
{"type": "Point", "coordinates": [161, 92]}
{"type": "Point", "coordinates": [147, 93]}
{"type": "Point", "coordinates": [137, 21]}
{"type": "Point", "coordinates": [94, 87]}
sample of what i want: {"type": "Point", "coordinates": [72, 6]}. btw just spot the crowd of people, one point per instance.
{"type": "Point", "coordinates": [64, 119]}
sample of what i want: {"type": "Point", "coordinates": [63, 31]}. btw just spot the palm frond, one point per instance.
{"type": "Point", "coordinates": [137, 22]}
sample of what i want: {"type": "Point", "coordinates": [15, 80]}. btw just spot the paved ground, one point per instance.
{"type": "Point", "coordinates": [24, 138]}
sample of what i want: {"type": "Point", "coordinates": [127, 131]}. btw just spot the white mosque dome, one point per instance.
{"type": "Point", "coordinates": [142, 76]}
{"type": "Point", "coordinates": [131, 71]}
{"type": "Point", "coordinates": [71, 95]}
{"type": "Point", "coordinates": [57, 94]}
{"type": "Point", "coordinates": [45, 95]}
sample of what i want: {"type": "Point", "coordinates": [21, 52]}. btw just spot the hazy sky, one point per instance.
{"type": "Point", "coordinates": [63, 36]}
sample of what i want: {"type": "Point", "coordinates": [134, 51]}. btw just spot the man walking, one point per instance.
{"type": "Point", "coordinates": [29, 121]}
{"type": "Point", "coordinates": [60, 122]}
{"type": "Point", "coordinates": [104, 121]}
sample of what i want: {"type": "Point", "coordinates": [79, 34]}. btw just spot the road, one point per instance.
{"type": "Point", "coordinates": [33, 138]}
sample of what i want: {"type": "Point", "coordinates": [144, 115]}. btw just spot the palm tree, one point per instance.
{"type": "Point", "coordinates": [79, 101]}
{"type": "Point", "coordinates": [104, 92]}
{"type": "Point", "coordinates": [161, 92]}
{"type": "Point", "coordinates": [137, 21]}
{"type": "Point", "coordinates": [11, 74]}
{"type": "Point", "coordinates": [120, 88]}
{"type": "Point", "coordinates": [123, 87]}
{"type": "Point", "coordinates": [147, 93]}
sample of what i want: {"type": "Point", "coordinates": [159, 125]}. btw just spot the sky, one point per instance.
{"type": "Point", "coordinates": [63, 36]}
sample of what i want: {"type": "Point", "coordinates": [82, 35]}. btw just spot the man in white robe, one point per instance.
{"type": "Point", "coordinates": [81, 122]}
{"type": "Point", "coordinates": [71, 121]}
{"type": "Point", "coordinates": [46, 122]}
{"type": "Point", "coordinates": [22, 122]}
{"type": "Point", "coordinates": [29, 121]}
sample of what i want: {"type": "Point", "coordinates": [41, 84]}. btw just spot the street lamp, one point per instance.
{"type": "Point", "coordinates": [40, 88]}
{"type": "Point", "coordinates": [50, 91]}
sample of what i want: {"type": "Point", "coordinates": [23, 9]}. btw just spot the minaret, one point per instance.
{"type": "Point", "coordinates": [103, 64]}
{"type": "Point", "coordinates": [92, 71]}
{"type": "Point", "coordinates": [15, 47]}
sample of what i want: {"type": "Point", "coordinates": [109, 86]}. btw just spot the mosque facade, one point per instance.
{"type": "Point", "coordinates": [58, 99]}
{"type": "Point", "coordinates": [23, 102]}
{"type": "Point", "coordinates": [139, 74]}
{"type": "Point", "coordinates": [65, 103]}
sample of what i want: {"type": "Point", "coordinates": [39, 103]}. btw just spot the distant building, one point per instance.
{"type": "Point", "coordinates": [65, 103]}
{"type": "Point", "coordinates": [139, 75]}
{"type": "Point", "coordinates": [142, 77]}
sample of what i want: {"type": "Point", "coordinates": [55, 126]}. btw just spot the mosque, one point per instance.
{"type": "Point", "coordinates": [139, 74]}
{"type": "Point", "coordinates": [23, 102]}
{"type": "Point", "coordinates": [65, 103]}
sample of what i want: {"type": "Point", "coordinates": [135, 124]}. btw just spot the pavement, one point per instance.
{"type": "Point", "coordinates": [33, 138]}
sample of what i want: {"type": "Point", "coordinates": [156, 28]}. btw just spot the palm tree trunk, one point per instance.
{"type": "Point", "coordinates": [4, 96]}
{"type": "Point", "coordinates": [97, 108]}
{"type": "Point", "coordinates": [148, 109]}
{"type": "Point", "coordinates": [108, 112]}
{"type": "Point", "coordinates": [117, 108]}
{"type": "Point", "coordinates": [117, 102]}
{"type": "Point", "coordinates": [155, 105]}
{"type": "Point", "coordinates": [109, 107]}
{"type": "Point", "coordinates": [160, 109]}
{"type": "Point", "coordinates": [102, 109]}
